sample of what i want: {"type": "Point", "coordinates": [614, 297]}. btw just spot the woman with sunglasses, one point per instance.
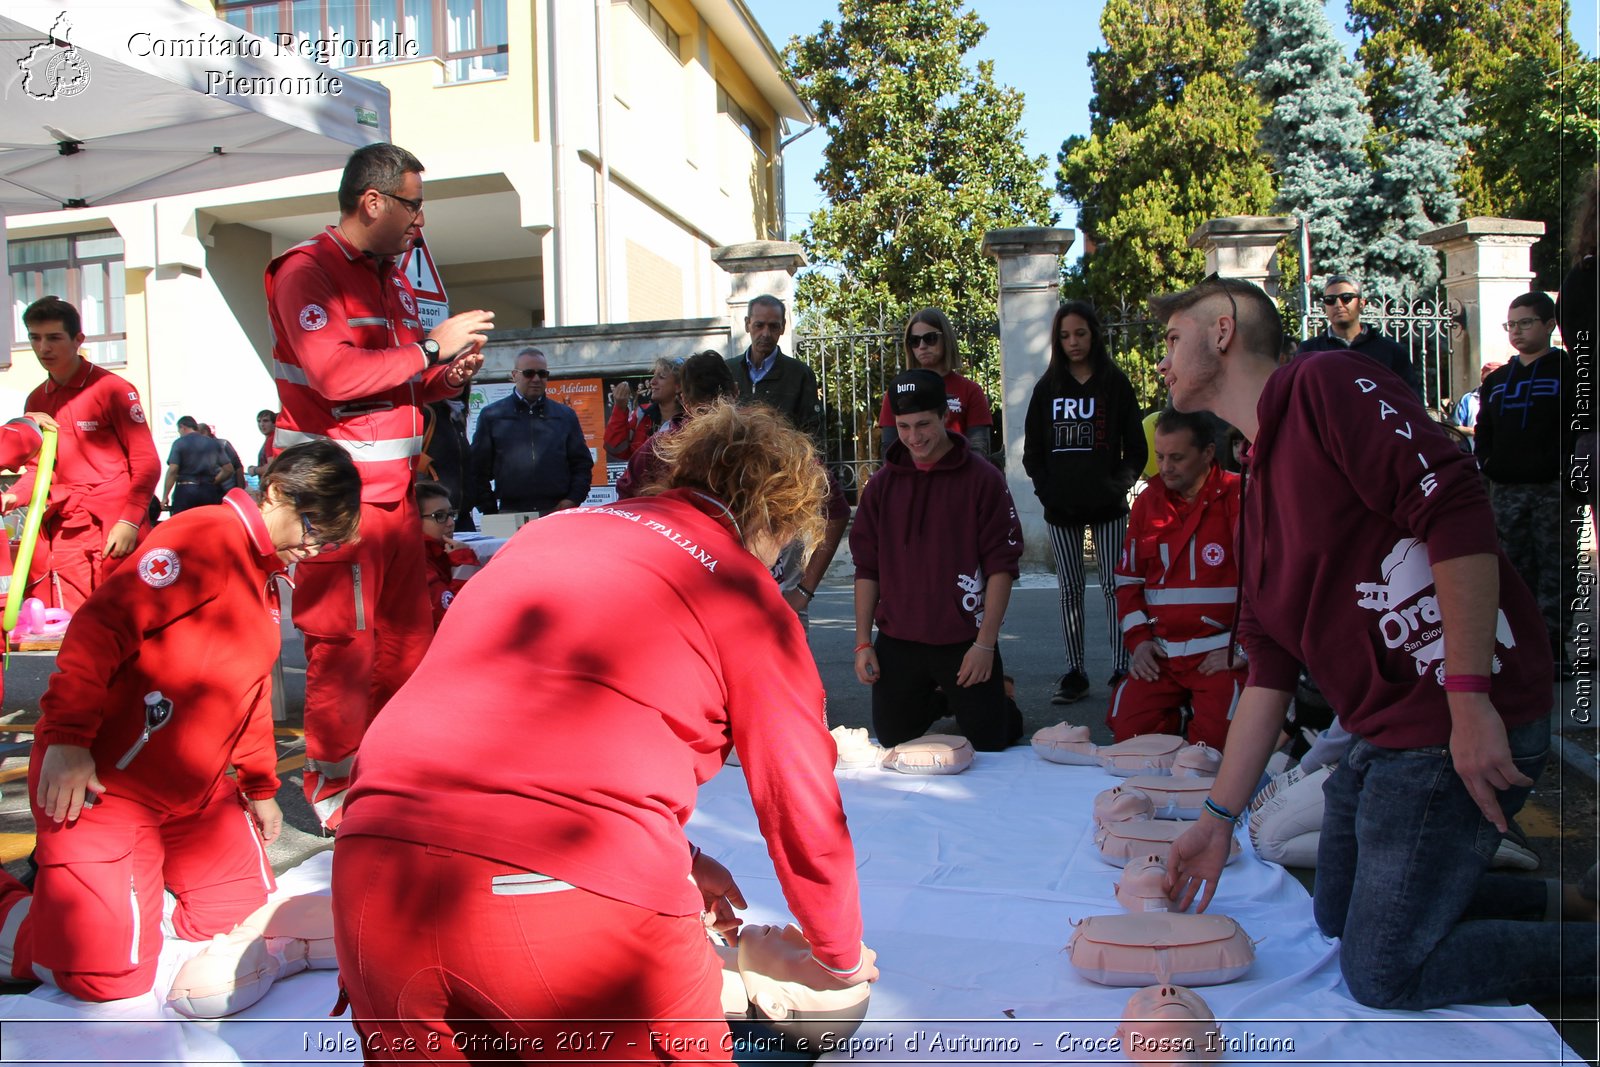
{"type": "Point", "coordinates": [629, 428]}
{"type": "Point", "coordinates": [930, 343]}
{"type": "Point", "coordinates": [1083, 448]}
{"type": "Point", "coordinates": [522, 860]}
{"type": "Point", "coordinates": [163, 685]}
{"type": "Point", "coordinates": [446, 555]}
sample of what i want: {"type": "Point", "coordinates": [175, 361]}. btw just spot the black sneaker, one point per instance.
{"type": "Point", "coordinates": [1072, 687]}
{"type": "Point", "coordinates": [1115, 679]}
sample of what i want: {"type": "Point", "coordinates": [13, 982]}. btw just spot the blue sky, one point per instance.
{"type": "Point", "coordinates": [1039, 48]}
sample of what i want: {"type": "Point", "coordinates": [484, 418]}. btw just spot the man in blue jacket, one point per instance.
{"type": "Point", "coordinates": [528, 453]}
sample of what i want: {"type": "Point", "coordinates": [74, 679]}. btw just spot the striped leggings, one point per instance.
{"type": "Point", "coordinates": [1067, 541]}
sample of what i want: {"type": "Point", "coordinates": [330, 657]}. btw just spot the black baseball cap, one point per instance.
{"type": "Point", "coordinates": [916, 390]}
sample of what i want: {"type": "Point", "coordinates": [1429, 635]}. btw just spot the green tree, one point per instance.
{"type": "Point", "coordinates": [1525, 80]}
{"type": "Point", "coordinates": [1172, 143]}
{"type": "Point", "coordinates": [1414, 188]}
{"type": "Point", "coordinates": [1317, 129]}
{"type": "Point", "coordinates": [924, 156]}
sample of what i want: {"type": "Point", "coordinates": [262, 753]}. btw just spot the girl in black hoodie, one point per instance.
{"type": "Point", "coordinates": [1084, 448]}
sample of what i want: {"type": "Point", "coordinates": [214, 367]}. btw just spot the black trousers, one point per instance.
{"type": "Point", "coordinates": [906, 698]}
{"type": "Point", "coordinates": [186, 495]}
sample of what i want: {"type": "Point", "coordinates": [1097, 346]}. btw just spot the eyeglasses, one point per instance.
{"type": "Point", "coordinates": [534, 372]}
{"type": "Point", "coordinates": [919, 340]}
{"type": "Point", "coordinates": [443, 515]}
{"type": "Point", "coordinates": [415, 206]}
{"type": "Point", "coordinates": [311, 539]}
{"type": "Point", "coordinates": [1519, 324]}
{"type": "Point", "coordinates": [1339, 298]}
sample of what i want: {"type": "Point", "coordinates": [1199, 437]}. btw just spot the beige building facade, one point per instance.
{"type": "Point", "coordinates": [583, 159]}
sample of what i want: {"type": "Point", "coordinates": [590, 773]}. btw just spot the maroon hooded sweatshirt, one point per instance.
{"type": "Point", "coordinates": [1352, 491]}
{"type": "Point", "coordinates": [930, 539]}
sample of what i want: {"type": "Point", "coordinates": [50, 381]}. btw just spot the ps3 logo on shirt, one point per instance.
{"type": "Point", "coordinates": [312, 317]}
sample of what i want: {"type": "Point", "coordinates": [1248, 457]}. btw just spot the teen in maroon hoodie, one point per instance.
{"type": "Point", "coordinates": [1369, 555]}
{"type": "Point", "coordinates": [936, 543]}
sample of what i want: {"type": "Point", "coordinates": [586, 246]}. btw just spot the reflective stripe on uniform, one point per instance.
{"type": "Point", "coordinates": [521, 885]}
{"type": "Point", "coordinates": [335, 769]}
{"type": "Point", "coordinates": [367, 321]}
{"type": "Point", "coordinates": [1132, 619]}
{"type": "Point", "coordinates": [382, 451]}
{"type": "Point", "coordinates": [1198, 594]}
{"type": "Point", "coordinates": [1193, 647]}
{"type": "Point", "coordinates": [288, 372]}
{"type": "Point", "coordinates": [8, 934]}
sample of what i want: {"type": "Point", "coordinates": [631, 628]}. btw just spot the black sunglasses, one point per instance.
{"type": "Point", "coordinates": [533, 372]}
{"type": "Point", "coordinates": [918, 340]}
{"type": "Point", "coordinates": [1339, 298]}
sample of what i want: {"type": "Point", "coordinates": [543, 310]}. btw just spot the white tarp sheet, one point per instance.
{"type": "Point", "coordinates": [970, 885]}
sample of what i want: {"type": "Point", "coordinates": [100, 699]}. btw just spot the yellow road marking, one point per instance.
{"type": "Point", "coordinates": [15, 846]}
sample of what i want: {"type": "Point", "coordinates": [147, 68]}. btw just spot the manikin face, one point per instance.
{"type": "Point", "coordinates": [765, 326]}
{"type": "Point", "coordinates": [1191, 367]}
{"type": "Point", "coordinates": [530, 386]}
{"type": "Point", "coordinates": [1182, 466]}
{"type": "Point", "coordinates": [923, 434]}
{"type": "Point", "coordinates": [56, 349]}
{"type": "Point", "coordinates": [1075, 339]}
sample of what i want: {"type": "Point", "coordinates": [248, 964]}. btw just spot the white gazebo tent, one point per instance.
{"type": "Point", "coordinates": [111, 101]}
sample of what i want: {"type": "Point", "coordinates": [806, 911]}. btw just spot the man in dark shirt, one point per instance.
{"type": "Point", "coordinates": [765, 374]}
{"type": "Point", "coordinates": [528, 453]}
{"type": "Point", "coordinates": [1524, 411]}
{"type": "Point", "coordinates": [1342, 303]}
{"type": "Point", "coordinates": [197, 469]}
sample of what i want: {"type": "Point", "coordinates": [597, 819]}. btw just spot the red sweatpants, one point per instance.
{"type": "Point", "coordinates": [366, 619]}
{"type": "Point", "coordinates": [452, 957]}
{"type": "Point", "coordinates": [70, 561]}
{"type": "Point", "coordinates": [1140, 707]}
{"type": "Point", "coordinates": [92, 926]}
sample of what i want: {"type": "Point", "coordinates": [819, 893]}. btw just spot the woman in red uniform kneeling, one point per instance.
{"type": "Point", "coordinates": [163, 684]}
{"type": "Point", "coordinates": [513, 848]}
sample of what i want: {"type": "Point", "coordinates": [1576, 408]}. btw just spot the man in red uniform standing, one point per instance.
{"type": "Point", "coordinates": [1176, 586]}
{"type": "Point", "coordinates": [106, 462]}
{"type": "Point", "coordinates": [353, 364]}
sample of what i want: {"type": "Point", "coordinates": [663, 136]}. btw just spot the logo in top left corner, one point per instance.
{"type": "Point", "coordinates": [55, 69]}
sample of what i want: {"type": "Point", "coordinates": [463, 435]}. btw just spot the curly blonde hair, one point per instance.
{"type": "Point", "coordinates": [752, 460]}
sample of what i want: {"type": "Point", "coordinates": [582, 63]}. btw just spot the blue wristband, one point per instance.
{"type": "Point", "coordinates": [1220, 812]}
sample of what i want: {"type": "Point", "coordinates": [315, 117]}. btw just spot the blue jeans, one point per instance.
{"type": "Point", "coordinates": [1401, 882]}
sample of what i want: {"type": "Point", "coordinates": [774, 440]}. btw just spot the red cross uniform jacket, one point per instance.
{"type": "Point", "coordinates": [193, 614]}
{"type": "Point", "coordinates": [347, 361]}
{"type": "Point", "coordinates": [106, 461]}
{"type": "Point", "coordinates": [581, 759]}
{"type": "Point", "coordinates": [1178, 577]}
{"type": "Point", "coordinates": [448, 571]}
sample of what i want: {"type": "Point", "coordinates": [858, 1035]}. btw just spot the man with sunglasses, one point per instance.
{"type": "Point", "coordinates": [1342, 304]}
{"type": "Point", "coordinates": [354, 364]}
{"type": "Point", "coordinates": [528, 453]}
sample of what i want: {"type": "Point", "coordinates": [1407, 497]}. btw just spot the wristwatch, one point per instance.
{"type": "Point", "coordinates": [430, 348]}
